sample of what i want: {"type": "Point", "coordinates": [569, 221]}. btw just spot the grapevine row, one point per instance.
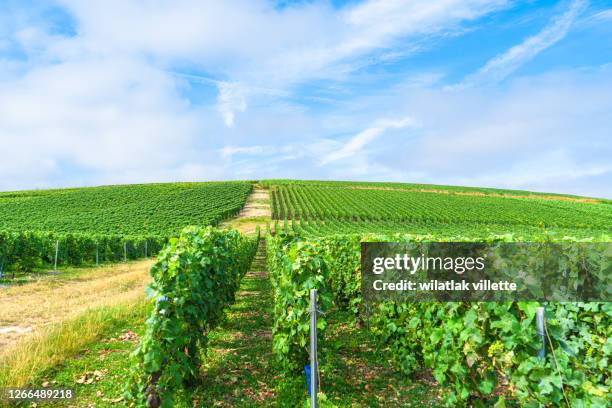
{"type": "Point", "coordinates": [404, 209]}
{"type": "Point", "coordinates": [321, 228]}
{"type": "Point", "coordinates": [26, 250]}
{"type": "Point", "coordinates": [473, 349]}
{"type": "Point", "coordinates": [194, 278]}
{"type": "Point", "coordinates": [150, 209]}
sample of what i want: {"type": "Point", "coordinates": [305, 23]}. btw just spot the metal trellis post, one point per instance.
{"type": "Point", "coordinates": [540, 323]}
{"type": "Point", "coordinates": [314, 369]}
{"type": "Point", "coordinates": [56, 255]}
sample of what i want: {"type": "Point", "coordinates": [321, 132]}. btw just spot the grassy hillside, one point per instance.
{"type": "Point", "coordinates": [156, 209]}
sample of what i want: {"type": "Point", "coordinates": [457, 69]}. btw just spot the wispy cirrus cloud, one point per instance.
{"type": "Point", "coordinates": [229, 151]}
{"type": "Point", "coordinates": [358, 142]}
{"type": "Point", "coordinates": [603, 15]}
{"type": "Point", "coordinates": [504, 64]}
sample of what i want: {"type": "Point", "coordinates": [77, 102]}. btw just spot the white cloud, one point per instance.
{"type": "Point", "coordinates": [94, 117]}
{"type": "Point", "coordinates": [551, 168]}
{"type": "Point", "coordinates": [544, 133]}
{"type": "Point", "coordinates": [229, 151]}
{"type": "Point", "coordinates": [338, 39]}
{"type": "Point", "coordinates": [363, 138]}
{"type": "Point", "coordinates": [257, 48]}
{"type": "Point", "coordinates": [604, 15]}
{"type": "Point", "coordinates": [254, 43]}
{"type": "Point", "coordinates": [231, 99]}
{"type": "Point", "coordinates": [503, 65]}
{"type": "Point", "coordinates": [548, 132]}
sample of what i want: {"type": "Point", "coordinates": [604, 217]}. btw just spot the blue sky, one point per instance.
{"type": "Point", "coordinates": [494, 93]}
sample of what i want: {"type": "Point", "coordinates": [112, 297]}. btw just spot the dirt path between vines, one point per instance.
{"type": "Point", "coordinates": [256, 212]}
{"type": "Point", "coordinates": [29, 307]}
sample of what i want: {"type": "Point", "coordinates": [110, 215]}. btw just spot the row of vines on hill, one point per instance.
{"type": "Point", "coordinates": [385, 185]}
{"type": "Point", "coordinates": [24, 251]}
{"type": "Point", "coordinates": [195, 277]}
{"type": "Point", "coordinates": [478, 351]}
{"type": "Point", "coordinates": [148, 209]}
{"type": "Point", "coordinates": [321, 228]}
{"type": "Point", "coordinates": [403, 207]}
{"type": "Point", "coordinates": [109, 223]}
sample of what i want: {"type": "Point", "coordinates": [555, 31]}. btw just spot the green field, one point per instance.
{"type": "Point", "coordinates": [147, 209]}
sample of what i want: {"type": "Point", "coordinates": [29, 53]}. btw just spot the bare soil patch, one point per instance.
{"type": "Point", "coordinates": [256, 212]}
{"type": "Point", "coordinates": [257, 205]}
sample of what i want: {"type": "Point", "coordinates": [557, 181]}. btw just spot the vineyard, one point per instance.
{"type": "Point", "coordinates": [195, 278]}
{"type": "Point", "coordinates": [426, 188]}
{"type": "Point", "coordinates": [305, 204]}
{"type": "Point", "coordinates": [322, 209]}
{"type": "Point", "coordinates": [476, 350]}
{"type": "Point", "coordinates": [479, 352]}
{"type": "Point", "coordinates": [471, 354]}
{"type": "Point", "coordinates": [106, 224]}
{"type": "Point", "coordinates": [26, 251]}
{"type": "Point", "coordinates": [149, 209]}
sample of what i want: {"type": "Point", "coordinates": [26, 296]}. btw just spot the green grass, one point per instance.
{"type": "Point", "coordinates": [240, 370]}
{"type": "Point", "coordinates": [110, 358]}
{"type": "Point", "coordinates": [60, 352]}
{"type": "Point", "coordinates": [356, 372]}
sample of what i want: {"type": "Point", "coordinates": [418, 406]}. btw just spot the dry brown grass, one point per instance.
{"type": "Point", "coordinates": [29, 308]}
{"type": "Point", "coordinates": [23, 362]}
